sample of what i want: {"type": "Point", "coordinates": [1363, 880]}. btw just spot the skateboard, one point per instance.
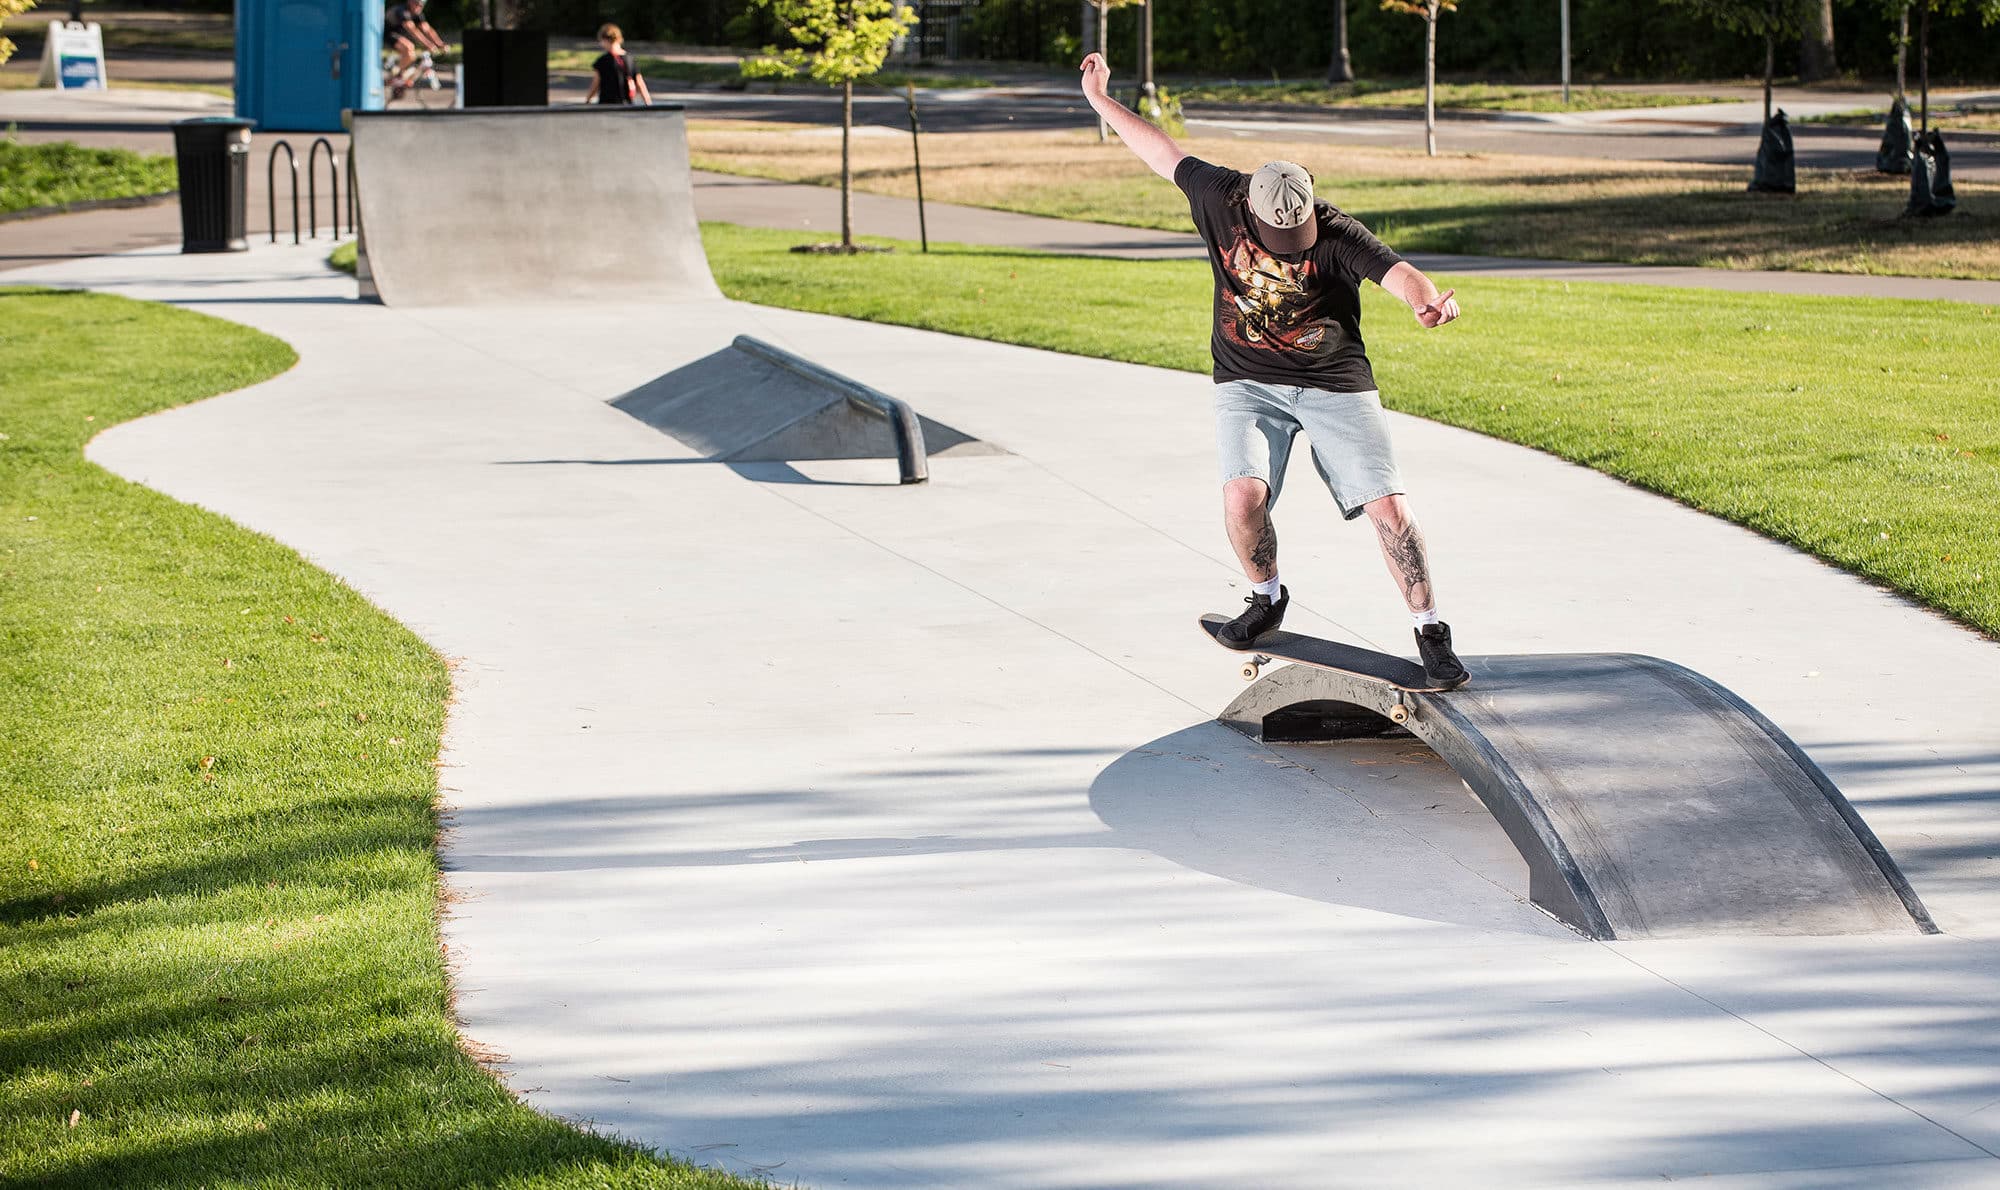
{"type": "Point", "coordinates": [1398, 672]}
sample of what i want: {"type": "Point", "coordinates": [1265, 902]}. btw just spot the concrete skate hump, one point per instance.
{"type": "Point", "coordinates": [501, 206]}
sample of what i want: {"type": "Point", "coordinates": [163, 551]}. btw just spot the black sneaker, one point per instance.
{"type": "Point", "coordinates": [1441, 665]}
{"type": "Point", "coordinates": [1263, 616]}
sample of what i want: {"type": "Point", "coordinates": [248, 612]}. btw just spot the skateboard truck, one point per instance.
{"type": "Point", "coordinates": [1399, 713]}
{"type": "Point", "coordinates": [1403, 676]}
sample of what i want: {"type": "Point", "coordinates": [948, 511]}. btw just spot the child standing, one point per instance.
{"type": "Point", "coordinates": [618, 79]}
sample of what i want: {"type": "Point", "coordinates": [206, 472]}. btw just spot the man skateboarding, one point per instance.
{"type": "Point", "coordinates": [1289, 357]}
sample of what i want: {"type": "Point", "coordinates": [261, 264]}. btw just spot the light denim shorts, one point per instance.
{"type": "Point", "coordinates": [1256, 422]}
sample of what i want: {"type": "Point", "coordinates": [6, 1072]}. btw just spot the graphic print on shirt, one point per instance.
{"type": "Point", "coordinates": [1276, 305]}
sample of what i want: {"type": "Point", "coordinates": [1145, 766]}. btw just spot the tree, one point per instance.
{"type": "Point", "coordinates": [1769, 19]}
{"type": "Point", "coordinates": [1427, 9]}
{"type": "Point", "coordinates": [11, 8]}
{"type": "Point", "coordinates": [1104, 8]}
{"type": "Point", "coordinates": [1817, 59]}
{"type": "Point", "coordinates": [1341, 69]}
{"type": "Point", "coordinates": [1988, 10]}
{"type": "Point", "coordinates": [836, 42]}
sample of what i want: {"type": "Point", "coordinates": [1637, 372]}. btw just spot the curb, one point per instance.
{"type": "Point", "coordinates": [90, 204]}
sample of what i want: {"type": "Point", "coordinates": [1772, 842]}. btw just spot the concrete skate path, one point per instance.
{"type": "Point", "coordinates": [879, 836]}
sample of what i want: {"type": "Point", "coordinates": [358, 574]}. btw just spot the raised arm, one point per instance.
{"type": "Point", "coordinates": [1432, 308]}
{"type": "Point", "coordinates": [1147, 142]}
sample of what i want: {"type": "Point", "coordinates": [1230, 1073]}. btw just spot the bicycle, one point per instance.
{"type": "Point", "coordinates": [419, 78]}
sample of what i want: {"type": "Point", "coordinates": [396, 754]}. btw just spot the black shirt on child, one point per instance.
{"type": "Point", "coordinates": [614, 78]}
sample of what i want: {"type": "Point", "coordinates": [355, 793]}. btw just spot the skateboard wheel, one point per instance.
{"type": "Point", "coordinates": [1399, 713]}
{"type": "Point", "coordinates": [1249, 671]}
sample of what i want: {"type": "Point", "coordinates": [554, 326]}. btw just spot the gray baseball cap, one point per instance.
{"type": "Point", "coordinates": [1281, 199]}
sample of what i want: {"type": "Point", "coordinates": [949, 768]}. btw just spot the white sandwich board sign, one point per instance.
{"type": "Point", "coordinates": [73, 57]}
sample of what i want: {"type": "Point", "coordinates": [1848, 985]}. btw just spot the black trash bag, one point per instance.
{"type": "Point", "coordinates": [1775, 174]}
{"type": "Point", "coordinates": [1894, 155]}
{"type": "Point", "coordinates": [1930, 177]}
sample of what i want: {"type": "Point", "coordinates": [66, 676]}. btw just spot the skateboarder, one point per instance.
{"type": "Point", "coordinates": [1289, 357]}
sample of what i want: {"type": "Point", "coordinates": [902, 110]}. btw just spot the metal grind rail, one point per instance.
{"type": "Point", "coordinates": [911, 458]}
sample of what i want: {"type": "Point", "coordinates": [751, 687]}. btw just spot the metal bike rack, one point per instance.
{"type": "Point", "coordinates": [333, 163]}
{"type": "Point", "coordinates": [271, 189]}
{"type": "Point", "coordinates": [333, 188]}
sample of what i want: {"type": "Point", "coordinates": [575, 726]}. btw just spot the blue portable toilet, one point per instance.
{"type": "Point", "coordinates": [299, 63]}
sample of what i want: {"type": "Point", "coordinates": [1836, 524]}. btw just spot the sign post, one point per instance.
{"type": "Point", "coordinates": [73, 57]}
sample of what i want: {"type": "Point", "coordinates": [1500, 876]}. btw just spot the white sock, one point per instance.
{"type": "Point", "coordinates": [1267, 589]}
{"type": "Point", "coordinates": [1425, 618]}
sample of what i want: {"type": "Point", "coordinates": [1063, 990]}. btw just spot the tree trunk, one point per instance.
{"type": "Point", "coordinates": [1430, 79]}
{"type": "Point", "coordinates": [1103, 47]}
{"type": "Point", "coordinates": [1091, 43]}
{"type": "Point", "coordinates": [1816, 54]}
{"type": "Point", "coordinates": [1924, 62]}
{"type": "Point", "coordinates": [846, 167]}
{"type": "Point", "coordinates": [1770, 68]}
{"type": "Point", "coordinates": [1341, 69]}
{"type": "Point", "coordinates": [1147, 106]}
{"type": "Point", "coordinates": [1903, 54]}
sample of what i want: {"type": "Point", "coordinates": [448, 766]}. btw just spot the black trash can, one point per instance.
{"type": "Point", "coordinates": [506, 68]}
{"type": "Point", "coordinates": [213, 154]}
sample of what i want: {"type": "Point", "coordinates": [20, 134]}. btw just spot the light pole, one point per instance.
{"type": "Point", "coordinates": [1565, 24]}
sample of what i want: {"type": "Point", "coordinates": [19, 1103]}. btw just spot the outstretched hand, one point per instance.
{"type": "Point", "coordinates": [1438, 312]}
{"type": "Point", "coordinates": [1096, 76]}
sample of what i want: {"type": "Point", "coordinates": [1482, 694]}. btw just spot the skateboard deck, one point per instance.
{"type": "Point", "coordinates": [1400, 672]}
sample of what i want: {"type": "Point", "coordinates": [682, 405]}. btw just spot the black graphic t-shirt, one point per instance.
{"type": "Point", "coordinates": [1283, 319]}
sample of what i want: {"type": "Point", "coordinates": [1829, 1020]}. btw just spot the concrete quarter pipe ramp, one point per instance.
{"type": "Point", "coordinates": [1647, 800]}
{"type": "Point", "coordinates": [525, 205]}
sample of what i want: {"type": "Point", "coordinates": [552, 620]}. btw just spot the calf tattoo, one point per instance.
{"type": "Point", "coordinates": [1403, 546]}
{"type": "Point", "coordinates": [1264, 554]}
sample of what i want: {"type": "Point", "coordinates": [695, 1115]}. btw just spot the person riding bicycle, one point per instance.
{"type": "Point", "coordinates": [617, 78]}
{"type": "Point", "coordinates": [404, 29]}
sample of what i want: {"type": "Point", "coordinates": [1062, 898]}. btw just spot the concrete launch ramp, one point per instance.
{"type": "Point", "coordinates": [1647, 800]}
{"type": "Point", "coordinates": [524, 205]}
{"type": "Point", "coordinates": [752, 402]}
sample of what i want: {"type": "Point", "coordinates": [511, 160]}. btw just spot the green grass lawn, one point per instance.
{"type": "Point", "coordinates": [219, 963]}
{"type": "Point", "coordinates": [1863, 431]}
{"type": "Point", "coordinates": [1468, 97]}
{"type": "Point", "coordinates": [1944, 119]}
{"type": "Point", "coordinates": [50, 175]}
{"type": "Point", "coordinates": [1477, 204]}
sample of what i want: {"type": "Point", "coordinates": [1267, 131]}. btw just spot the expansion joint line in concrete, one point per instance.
{"type": "Point", "coordinates": [1623, 953]}
{"type": "Point", "coordinates": [984, 597]}
{"type": "Point", "coordinates": [1196, 550]}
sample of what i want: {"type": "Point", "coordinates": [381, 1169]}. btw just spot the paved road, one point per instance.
{"type": "Point", "coordinates": [1721, 134]}
{"type": "Point", "coordinates": [1713, 141]}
